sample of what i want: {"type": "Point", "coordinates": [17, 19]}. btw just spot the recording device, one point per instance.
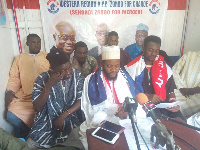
{"type": "Point", "coordinates": [108, 132]}
{"type": "Point", "coordinates": [147, 105]}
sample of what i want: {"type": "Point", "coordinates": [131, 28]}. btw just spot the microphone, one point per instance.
{"type": "Point", "coordinates": [166, 118]}
{"type": "Point", "coordinates": [158, 129]}
{"type": "Point", "coordinates": [130, 106]}
{"type": "Point", "coordinates": [147, 105]}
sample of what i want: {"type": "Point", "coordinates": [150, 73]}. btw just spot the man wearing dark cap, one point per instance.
{"type": "Point", "coordinates": [56, 99]}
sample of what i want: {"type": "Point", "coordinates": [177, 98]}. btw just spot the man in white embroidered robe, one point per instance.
{"type": "Point", "coordinates": [187, 78]}
{"type": "Point", "coordinates": [105, 91]}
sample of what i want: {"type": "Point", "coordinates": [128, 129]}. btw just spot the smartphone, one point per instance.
{"type": "Point", "coordinates": [112, 127]}
{"type": "Point", "coordinates": [105, 135]}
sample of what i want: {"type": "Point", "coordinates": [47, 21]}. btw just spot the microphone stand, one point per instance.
{"type": "Point", "coordinates": [130, 106]}
{"type": "Point", "coordinates": [178, 122]}
{"type": "Point", "coordinates": [133, 122]}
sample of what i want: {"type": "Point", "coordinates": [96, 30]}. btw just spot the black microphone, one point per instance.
{"type": "Point", "coordinates": [130, 106]}
{"type": "Point", "coordinates": [166, 118]}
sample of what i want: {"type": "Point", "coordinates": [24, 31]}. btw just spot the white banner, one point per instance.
{"type": "Point", "coordinates": [120, 16]}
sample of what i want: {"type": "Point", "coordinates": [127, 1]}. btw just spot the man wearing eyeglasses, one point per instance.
{"type": "Point", "coordinates": [65, 37]}
{"type": "Point", "coordinates": [101, 36]}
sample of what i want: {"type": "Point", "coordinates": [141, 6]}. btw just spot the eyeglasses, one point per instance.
{"type": "Point", "coordinates": [100, 33]}
{"type": "Point", "coordinates": [65, 38]}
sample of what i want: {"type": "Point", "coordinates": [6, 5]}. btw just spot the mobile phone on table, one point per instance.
{"type": "Point", "coordinates": [105, 135]}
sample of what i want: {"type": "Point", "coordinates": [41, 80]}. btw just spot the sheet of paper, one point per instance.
{"type": "Point", "coordinates": [165, 105]}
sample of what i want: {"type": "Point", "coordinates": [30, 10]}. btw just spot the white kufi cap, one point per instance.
{"type": "Point", "coordinates": [110, 52]}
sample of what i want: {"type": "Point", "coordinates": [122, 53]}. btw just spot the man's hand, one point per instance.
{"type": "Point", "coordinates": [58, 123]}
{"type": "Point", "coordinates": [174, 108]}
{"type": "Point", "coordinates": [154, 98]}
{"type": "Point", "coordinates": [189, 91]}
{"type": "Point", "coordinates": [55, 78]}
{"type": "Point", "coordinates": [9, 97]}
{"type": "Point", "coordinates": [121, 114]}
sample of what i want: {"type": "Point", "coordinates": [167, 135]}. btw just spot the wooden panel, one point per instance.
{"type": "Point", "coordinates": [29, 4]}
{"type": "Point", "coordinates": [173, 32]}
{"type": "Point", "coordinates": [177, 4]}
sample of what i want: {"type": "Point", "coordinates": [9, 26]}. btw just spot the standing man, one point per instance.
{"type": "Point", "coordinates": [154, 77]}
{"type": "Point", "coordinates": [65, 37]}
{"type": "Point", "coordinates": [81, 61]}
{"type": "Point", "coordinates": [104, 92]}
{"type": "Point", "coordinates": [18, 97]}
{"type": "Point", "coordinates": [113, 40]}
{"type": "Point", "coordinates": [135, 49]}
{"type": "Point", "coordinates": [56, 99]}
{"type": "Point", "coordinates": [187, 78]}
{"type": "Point", "coordinates": [101, 36]}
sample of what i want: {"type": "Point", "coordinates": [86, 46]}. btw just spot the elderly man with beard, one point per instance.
{"type": "Point", "coordinates": [104, 92]}
{"type": "Point", "coordinates": [56, 99]}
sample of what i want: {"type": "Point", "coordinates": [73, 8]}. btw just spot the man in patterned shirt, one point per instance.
{"type": "Point", "coordinates": [81, 61]}
{"type": "Point", "coordinates": [56, 99]}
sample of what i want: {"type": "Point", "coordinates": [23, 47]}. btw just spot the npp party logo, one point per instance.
{"type": "Point", "coordinates": [154, 6]}
{"type": "Point", "coordinates": [52, 6]}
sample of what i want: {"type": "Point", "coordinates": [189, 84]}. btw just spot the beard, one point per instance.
{"type": "Point", "coordinates": [110, 78]}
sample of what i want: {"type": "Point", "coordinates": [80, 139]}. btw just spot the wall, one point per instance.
{"type": "Point", "coordinates": [192, 36]}
{"type": "Point", "coordinates": [174, 26]}
{"type": "Point", "coordinates": [6, 59]}
{"type": "Point", "coordinates": [29, 21]}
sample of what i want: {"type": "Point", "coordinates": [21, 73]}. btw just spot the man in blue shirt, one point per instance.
{"type": "Point", "coordinates": [135, 49]}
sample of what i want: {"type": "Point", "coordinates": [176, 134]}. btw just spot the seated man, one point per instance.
{"type": "Point", "coordinates": [56, 99]}
{"type": "Point", "coordinates": [154, 77]}
{"type": "Point", "coordinates": [104, 92]}
{"type": "Point", "coordinates": [25, 69]}
{"type": "Point", "coordinates": [113, 40]}
{"type": "Point", "coordinates": [81, 61]}
{"type": "Point", "coordinates": [187, 79]}
{"type": "Point", "coordinates": [135, 49]}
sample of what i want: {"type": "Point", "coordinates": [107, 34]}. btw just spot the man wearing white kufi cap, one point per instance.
{"type": "Point", "coordinates": [110, 52]}
{"type": "Point", "coordinates": [104, 92]}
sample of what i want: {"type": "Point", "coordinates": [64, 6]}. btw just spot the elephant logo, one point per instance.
{"type": "Point", "coordinates": [154, 6]}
